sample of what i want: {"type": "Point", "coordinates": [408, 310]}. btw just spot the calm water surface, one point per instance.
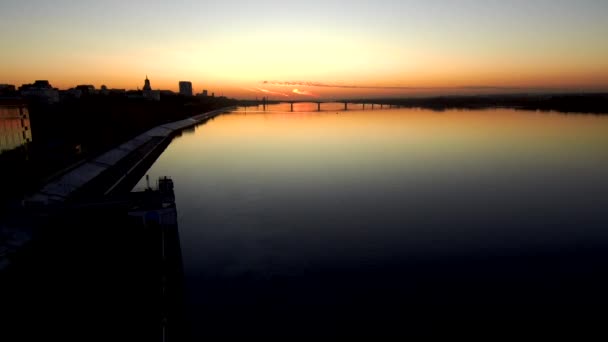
{"type": "Point", "coordinates": [337, 218]}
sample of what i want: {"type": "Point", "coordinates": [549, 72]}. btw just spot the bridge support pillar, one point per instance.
{"type": "Point", "coordinates": [345, 105]}
{"type": "Point", "coordinates": [291, 106]}
{"type": "Point", "coordinates": [318, 106]}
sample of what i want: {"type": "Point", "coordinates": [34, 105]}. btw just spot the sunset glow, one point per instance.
{"type": "Point", "coordinates": [324, 49]}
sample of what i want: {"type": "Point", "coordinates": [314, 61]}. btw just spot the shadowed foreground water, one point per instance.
{"type": "Point", "coordinates": [376, 221]}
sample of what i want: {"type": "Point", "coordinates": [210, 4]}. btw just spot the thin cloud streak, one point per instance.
{"type": "Point", "coordinates": [264, 91]}
{"type": "Point", "coordinates": [348, 86]}
{"type": "Point", "coordinates": [303, 92]}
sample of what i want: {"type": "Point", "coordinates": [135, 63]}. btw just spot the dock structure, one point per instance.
{"type": "Point", "coordinates": [112, 264]}
{"type": "Point", "coordinates": [155, 210]}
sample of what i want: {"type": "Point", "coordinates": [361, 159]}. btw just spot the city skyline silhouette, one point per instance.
{"type": "Point", "coordinates": [331, 48]}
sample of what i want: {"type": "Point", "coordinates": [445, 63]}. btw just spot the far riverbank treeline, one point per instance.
{"type": "Point", "coordinates": [596, 103]}
{"type": "Point", "coordinates": [584, 103]}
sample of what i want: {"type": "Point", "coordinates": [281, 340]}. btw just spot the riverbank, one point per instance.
{"type": "Point", "coordinates": [583, 103]}
{"type": "Point", "coordinates": [116, 169]}
{"type": "Point", "coordinates": [62, 136]}
{"type": "Point", "coordinates": [592, 103]}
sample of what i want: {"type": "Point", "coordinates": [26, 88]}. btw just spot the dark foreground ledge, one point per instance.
{"type": "Point", "coordinates": [105, 270]}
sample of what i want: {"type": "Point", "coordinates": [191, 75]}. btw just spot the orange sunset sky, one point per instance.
{"type": "Point", "coordinates": [299, 50]}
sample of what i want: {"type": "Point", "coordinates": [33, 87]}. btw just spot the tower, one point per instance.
{"type": "Point", "coordinates": [185, 88]}
{"type": "Point", "coordinates": [150, 94]}
{"type": "Point", "coordinates": [147, 86]}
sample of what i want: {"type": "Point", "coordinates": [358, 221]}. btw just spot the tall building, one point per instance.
{"type": "Point", "coordinates": [185, 88]}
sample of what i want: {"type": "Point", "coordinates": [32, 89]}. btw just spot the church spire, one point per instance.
{"type": "Point", "coordinates": [147, 84]}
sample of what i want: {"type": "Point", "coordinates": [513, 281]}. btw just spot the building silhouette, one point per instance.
{"type": "Point", "coordinates": [40, 90]}
{"type": "Point", "coordinates": [147, 86]}
{"type": "Point", "coordinates": [148, 93]}
{"type": "Point", "coordinates": [7, 90]}
{"type": "Point", "coordinates": [86, 89]}
{"type": "Point", "coordinates": [185, 88]}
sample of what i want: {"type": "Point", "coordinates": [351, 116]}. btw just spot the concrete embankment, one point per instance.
{"type": "Point", "coordinates": [118, 169]}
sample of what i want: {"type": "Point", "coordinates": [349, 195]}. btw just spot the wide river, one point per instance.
{"type": "Point", "coordinates": [304, 222]}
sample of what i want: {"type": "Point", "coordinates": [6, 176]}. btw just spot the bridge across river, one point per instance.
{"type": "Point", "coordinates": [366, 104]}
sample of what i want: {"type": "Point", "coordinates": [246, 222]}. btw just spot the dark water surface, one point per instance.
{"type": "Point", "coordinates": [372, 221]}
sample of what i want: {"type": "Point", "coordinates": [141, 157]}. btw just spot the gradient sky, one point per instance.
{"type": "Point", "coordinates": [323, 48]}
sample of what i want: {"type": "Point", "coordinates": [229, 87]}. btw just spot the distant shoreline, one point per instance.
{"type": "Point", "coordinates": [586, 103]}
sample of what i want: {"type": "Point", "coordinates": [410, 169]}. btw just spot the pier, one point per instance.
{"type": "Point", "coordinates": [155, 210]}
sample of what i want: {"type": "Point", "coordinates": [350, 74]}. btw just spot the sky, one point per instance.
{"type": "Point", "coordinates": [309, 49]}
